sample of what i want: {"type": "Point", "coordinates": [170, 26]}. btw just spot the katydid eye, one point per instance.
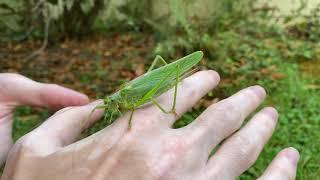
{"type": "Point", "coordinates": [127, 88]}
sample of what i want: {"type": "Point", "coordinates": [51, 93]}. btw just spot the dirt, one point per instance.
{"type": "Point", "coordinates": [93, 65]}
{"type": "Point", "coordinates": [311, 68]}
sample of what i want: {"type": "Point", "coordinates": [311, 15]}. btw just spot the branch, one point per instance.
{"type": "Point", "coordinates": [45, 41]}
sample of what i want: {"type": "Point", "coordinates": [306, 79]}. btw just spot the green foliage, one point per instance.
{"type": "Point", "coordinates": [299, 122]}
{"type": "Point", "coordinates": [12, 21]}
{"type": "Point", "coordinates": [136, 13]}
{"type": "Point", "coordinates": [26, 119]}
{"type": "Point", "coordinates": [233, 22]}
{"type": "Point", "coordinates": [200, 33]}
{"type": "Point", "coordinates": [228, 12]}
{"type": "Point", "coordinates": [7, 18]}
{"type": "Point", "coordinates": [308, 26]}
{"type": "Point", "coordinates": [70, 18]}
{"type": "Point", "coordinates": [75, 17]}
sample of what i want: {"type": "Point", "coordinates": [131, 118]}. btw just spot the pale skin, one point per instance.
{"type": "Point", "coordinates": [16, 90]}
{"type": "Point", "coordinates": [151, 149]}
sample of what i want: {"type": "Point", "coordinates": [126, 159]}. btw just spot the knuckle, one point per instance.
{"type": "Point", "coordinates": [284, 171]}
{"type": "Point", "coordinates": [25, 143]}
{"type": "Point", "coordinates": [187, 83]}
{"type": "Point", "coordinates": [266, 126]}
{"type": "Point", "coordinates": [229, 113]}
{"type": "Point", "coordinates": [63, 110]}
{"type": "Point", "coordinates": [141, 114]}
{"type": "Point", "coordinates": [216, 174]}
{"type": "Point", "coordinates": [31, 143]}
{"type": "Point", "coordinates": [51, 85]}
{"type": "Point", "coordinates": [177, 145]}
{"type": "Point", "coordinates": [254, 96]}
{"type": "Point", "coordinates": [214, 76]}
{"type": "Point", "coordinates": [248, 149]}
{"type": "Point", "coordinates": [192, 88]}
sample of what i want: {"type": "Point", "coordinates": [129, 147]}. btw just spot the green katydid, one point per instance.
{"type": "Point", "coordinates": [150, 85]}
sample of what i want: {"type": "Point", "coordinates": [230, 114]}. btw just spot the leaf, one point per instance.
{"type": "Point", "coordinates": [86, 5]}
{"type": "Point", "coordinates": [11, 22]}
{"type": "Point", "coordinates": [61, 6]}
{"type": "Point", "coordinates": [307, 54]}
{"type": "Point", "coordinates": [9, 4]}
{"type": "Point", "coordinates": [69, 4]}
{"type": "Point", "coordinates": [278, 76]}
{"type": "Point", "coordinates": [55, 11]}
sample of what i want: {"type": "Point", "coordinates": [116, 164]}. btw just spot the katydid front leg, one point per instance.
{"type": "Point", "coordinates": [130, 119]}
{"type": "Point", "coordinates": [173, 109]}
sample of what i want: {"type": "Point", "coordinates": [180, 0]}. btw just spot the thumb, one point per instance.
{"type": "Point", "coordinates": [5, 137]}
{"type": "Point", "coordinates": [16, 90]}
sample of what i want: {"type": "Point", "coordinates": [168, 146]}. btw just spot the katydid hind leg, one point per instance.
{"type": "Point", "coordinates": [173, 109]}
{"type": "Point", "coordinates": [155, 62]}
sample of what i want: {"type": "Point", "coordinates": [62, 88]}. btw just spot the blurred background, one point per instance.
{"type": "Point", "coordinates": [94, 46]}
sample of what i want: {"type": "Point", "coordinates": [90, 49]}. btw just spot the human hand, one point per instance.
{"type": "Point", "coordinates": [151, 149]}
{"type": "Point", "coordinates": [16, 90]}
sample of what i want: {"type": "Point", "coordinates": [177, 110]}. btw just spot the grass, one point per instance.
{"type": "Point", "coordinates": [26, 119]}
{"type": "Point", "coordinates": [299, 123]}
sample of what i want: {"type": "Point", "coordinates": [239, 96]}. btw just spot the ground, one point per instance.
{"type": "Point", "coordinates": [98, 65]}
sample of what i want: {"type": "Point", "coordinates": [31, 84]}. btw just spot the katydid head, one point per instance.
{"type": "Point", "coordinates": [112, 104]}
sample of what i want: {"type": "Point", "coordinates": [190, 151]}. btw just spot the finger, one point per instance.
{"type": "Point", "coordinates": [241, 150]}
{"type": "Point", "coordinates": [283, 166]}
{"type": "Point", "coordinates": [223, 118]}
{"type": "Point", "coordinates": [190, 91]}
{"type": "Point", "coordinates": [64, 127]}
{"type": "Point", "coordinates": [101, 142]}
{"type": "Point", "coordinates": [5, 137]}
{"type": "Point", "coordinates": [19, 90]}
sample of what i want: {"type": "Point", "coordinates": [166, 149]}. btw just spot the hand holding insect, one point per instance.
{"type": "Point", "coordinates": [150, 85]}
{"type": "Point", "coordinates": [152, 149]}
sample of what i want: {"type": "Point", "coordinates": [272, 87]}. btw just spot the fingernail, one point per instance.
{"type": "Point", "coordinates": [293, 155]}
{"type": "Point", "coordinates": [271, 112]}
{"type": "Point", "coordinates": [215, 74]}
{"type": "Point", "coordinates": [259, 91]}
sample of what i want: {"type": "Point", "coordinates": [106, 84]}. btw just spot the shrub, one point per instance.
{"type": "Point", "coordinates": [61, 17]}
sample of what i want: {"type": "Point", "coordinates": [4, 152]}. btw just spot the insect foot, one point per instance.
{"type": "Point", "coordinates": [173, 111]}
